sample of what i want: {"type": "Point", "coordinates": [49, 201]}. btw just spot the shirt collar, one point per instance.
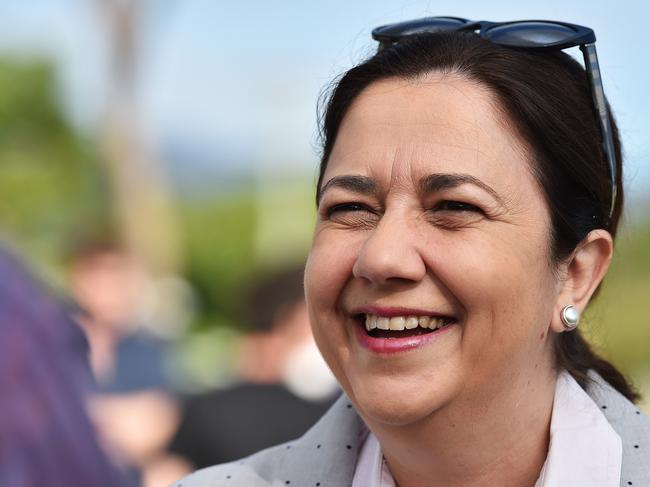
{"type": "Point", "coordinates": [584, 450]}
{"type": "Point", "coordinates": [371, 469]}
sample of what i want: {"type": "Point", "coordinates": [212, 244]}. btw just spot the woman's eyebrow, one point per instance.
{"type": "Point", "coordinates": [437, 182]}
{"type": "Point", "coordinates": [355, 183]}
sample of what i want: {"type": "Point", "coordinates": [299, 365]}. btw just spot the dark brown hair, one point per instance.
{"type": "Point", "coordinates": [545, 97]}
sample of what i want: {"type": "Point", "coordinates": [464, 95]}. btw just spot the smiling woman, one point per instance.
{"type": "Point", "coordinates": [468, 199]}
{"type": "Point", "coordinates": [464, 249]}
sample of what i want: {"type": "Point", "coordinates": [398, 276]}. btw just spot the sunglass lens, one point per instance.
{"type": "Point", "coordinates": [529, 34]}
{"type": "Point", "coordinates": [394, 32]}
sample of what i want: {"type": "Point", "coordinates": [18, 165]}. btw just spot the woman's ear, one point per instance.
{"type": "Point", "coordinates": [584, 270]}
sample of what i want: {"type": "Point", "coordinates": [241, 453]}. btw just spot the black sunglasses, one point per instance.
{"type": "Point", "coordinates": [528, 34]}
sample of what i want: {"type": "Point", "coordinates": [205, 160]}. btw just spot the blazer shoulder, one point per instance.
{"type": "Point", "coordinates": [631, 424]}
{"type": "Point", "coordinates": [324, 456]}
{"type": "Point", "coordinates": [252, 471]}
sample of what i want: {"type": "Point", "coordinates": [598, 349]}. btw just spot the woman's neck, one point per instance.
{"type": "Point", "coordinates": [502, 441]}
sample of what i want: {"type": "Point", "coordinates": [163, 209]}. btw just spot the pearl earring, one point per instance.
{"type": "Point", "coordinates": [570, 317]}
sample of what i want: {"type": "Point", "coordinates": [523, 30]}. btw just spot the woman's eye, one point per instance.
{"type": "Point", "coordinates": [352, 215]}
{"type": "Point", "coordinates": [457, 206]}
{"type": "Point", "coordinates": [345, 207]}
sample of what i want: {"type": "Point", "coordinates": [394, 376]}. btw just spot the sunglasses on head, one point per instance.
{"type": "Point", "coordinates": [527, 34]}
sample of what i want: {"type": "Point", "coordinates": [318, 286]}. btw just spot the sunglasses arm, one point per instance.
{"type": "Point", "coordinates": [598, 93]}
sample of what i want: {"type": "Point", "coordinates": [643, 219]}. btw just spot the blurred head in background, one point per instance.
{"type": "Point", "coordinates": [108, 283]}
{"type": "Point", "coordinates": [280, 348]}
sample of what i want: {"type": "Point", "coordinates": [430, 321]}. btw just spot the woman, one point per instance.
{"type": "Point", "coordinates": [468, 199]}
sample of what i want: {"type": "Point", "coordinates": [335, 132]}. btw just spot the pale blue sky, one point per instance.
{"type": "Point", "coordinates": [243, 77]}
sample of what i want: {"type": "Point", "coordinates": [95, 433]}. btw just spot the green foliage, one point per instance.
{"type": "Point", "coordinates": [55, 195]}
{"type": "Point", "coordinates": [233, 240]}
{"type": "Point", "coordinates": [618, 322]}
{"type": "Point", "coordinates": [48, 176]}
{"type": "Point", "coordinates": [219, 244]}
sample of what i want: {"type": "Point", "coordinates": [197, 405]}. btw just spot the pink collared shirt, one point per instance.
{"type": "Point", "coordinates": [584, 450]}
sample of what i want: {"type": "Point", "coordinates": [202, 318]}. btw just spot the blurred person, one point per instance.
{"type": "Point", "coordinates": [46, 436]}
{"type": "Point", "coordinates": [109, 284]}
{"type": "Point", "coordinates": [134, 409]}
{"type": "Point", "coordinates": [285, 385]}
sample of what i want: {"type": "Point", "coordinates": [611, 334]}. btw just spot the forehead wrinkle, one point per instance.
{"type": "Point", "coordinates": [398, 178]}
{"type": "Point", "coordinates": [364, 143]}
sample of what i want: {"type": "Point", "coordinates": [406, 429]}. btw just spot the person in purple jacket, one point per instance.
{"type": "Point", "coordinates": [46, 436]}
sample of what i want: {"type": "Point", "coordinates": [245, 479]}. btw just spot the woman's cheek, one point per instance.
{"type": "Point", "coordinates": [330, 263]}
{"type": "Point", "coordinates": [323, 282]}
{"type": "Point", "coordinates": [327, 272]}
{"type": "Point", "coordinates": [319, 288]}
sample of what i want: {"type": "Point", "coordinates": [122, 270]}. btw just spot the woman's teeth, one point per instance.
{"type": "Point", "coordinates": [405, 322]}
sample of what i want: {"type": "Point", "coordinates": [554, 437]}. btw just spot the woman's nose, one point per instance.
{"type": "Point", "coordinates": [390, 253]}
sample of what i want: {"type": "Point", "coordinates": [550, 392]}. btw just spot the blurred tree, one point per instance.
{"type": "Point", "coordinates": [141, 201]}
{"type": "Point", "coordinates": [49, 179]}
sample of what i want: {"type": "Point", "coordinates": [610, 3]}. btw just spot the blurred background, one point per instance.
{"type": "Point", "coordinates": [157, 165]}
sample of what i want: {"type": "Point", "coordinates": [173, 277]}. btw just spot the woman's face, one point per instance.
{"type": "Point", "coordinates": [430, 214]}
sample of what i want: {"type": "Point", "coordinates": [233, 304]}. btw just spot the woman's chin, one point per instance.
{"type": "Point", "coordinates": [397, 406]}
{"type": "Point", "coordinates": [394, 414]}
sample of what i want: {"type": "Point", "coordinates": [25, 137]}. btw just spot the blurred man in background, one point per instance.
{"type": "Point", "coordinates": [285, 386]}
{"type": "Point", "coordinates": [134, 410]}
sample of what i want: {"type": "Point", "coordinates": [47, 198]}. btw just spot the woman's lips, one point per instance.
{"type": "Point", "coordinates": [395, 344]}
{"type": "Point", "coordinates": [391, 330]}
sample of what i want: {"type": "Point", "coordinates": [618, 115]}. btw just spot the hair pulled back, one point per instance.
{"type": "Point", "coordinates": [545, 98]}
